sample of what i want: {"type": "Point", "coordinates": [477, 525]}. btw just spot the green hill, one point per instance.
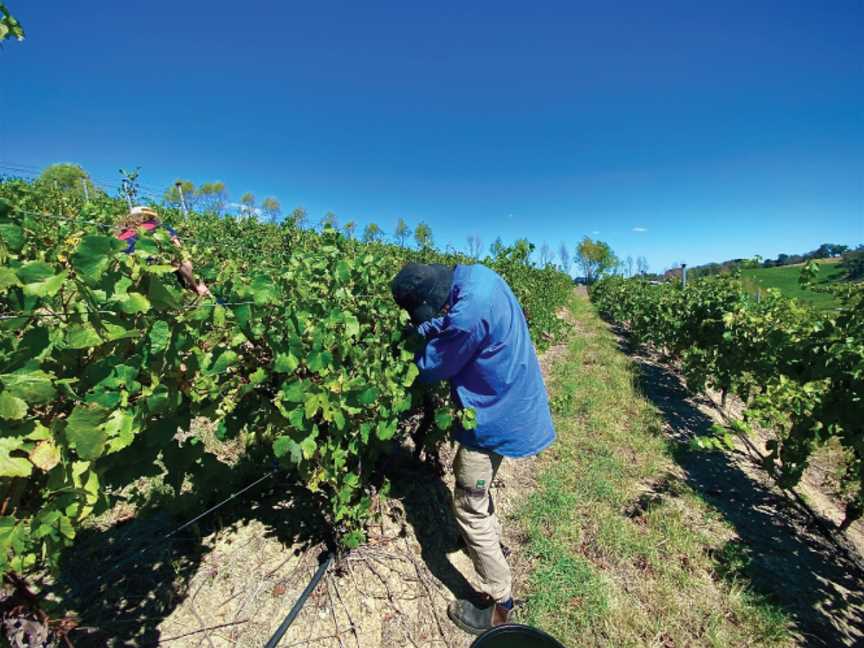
{"type": "Point", "coordinates": [785, 279]}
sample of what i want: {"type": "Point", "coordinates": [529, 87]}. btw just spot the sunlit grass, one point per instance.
{"type": "Point", "coordinates": [604, 574]}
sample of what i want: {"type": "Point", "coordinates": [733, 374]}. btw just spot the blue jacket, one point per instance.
{"type": "Point", "coordinates": [482, 345]}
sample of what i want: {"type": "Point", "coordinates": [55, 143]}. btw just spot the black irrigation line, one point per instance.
{"type": "Point", "coordinates": [301, 601]}
{"type": "Point", "coordinates": [325, 560]}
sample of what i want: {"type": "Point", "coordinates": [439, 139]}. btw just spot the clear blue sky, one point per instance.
{"type": "Point", "coordinates": [721, 129]}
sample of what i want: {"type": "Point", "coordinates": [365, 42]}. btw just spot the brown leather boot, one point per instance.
{"type": "Point", "coordinates": [477, 620]}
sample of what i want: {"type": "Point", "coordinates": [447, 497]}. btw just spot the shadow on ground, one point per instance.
{"type": "Point", "coordinates": [124, 581]}
{"type": "Point", "coordinates": [426, 500]}
{"type": "Point", "coordinates": [817, 583]}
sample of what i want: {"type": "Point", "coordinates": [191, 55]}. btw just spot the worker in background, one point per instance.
{"type": "Point", "coordinates": [477, 338]}
{"type": "Point", "coordinates": [146, 219]}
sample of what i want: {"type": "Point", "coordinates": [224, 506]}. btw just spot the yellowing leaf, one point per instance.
{"type": "Point", "coordinates": [45, 455]}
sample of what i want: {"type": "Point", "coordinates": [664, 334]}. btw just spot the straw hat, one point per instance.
{"type": "Point", "coordinates": [143, 211]}
{"type": "Point", "coordinates": [136, 216]}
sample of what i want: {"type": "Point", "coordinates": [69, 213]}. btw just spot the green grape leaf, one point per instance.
{"type": "Point", "coordinates": [226, 359]}
{"type": "Point", "coordinates": [121, 429]}
{"type": "Point", "coordinates": [164, 297]}
{"type": "Point", "coordinates": [342, 271]}
{"type": "Point", "coordinates": [285, 363]}
{"type": "Point", "coordinates": [263, 290]}
{"type": "Point", "coordinates": [85, 432]}
{"type": "Point", "coordinates": [365, 430]}
{"type": "Point", "coordinates": [12, 236]}
{"type": "Point", "coordinates": [317, 361]}
{"type": "Point", "coordinates": [311, 406]}
{"type": "Point", "coordinates": [82, 336]}
{"type": "Point", "coordinates": [410, 375]}
{"type": "Point", "coordinates": [468, 418]}
{"type": "Point", "coordinates": [39, 279]}
{"type": "Point", "coordinates": [286, 446]}
{"type": "Point", "coordinates": [386, 430]}
{"type": "Point", "coordinates": [160, 268]}
{"type": "Point", "coordinates": [66, 528]}
{"type": "Point", "coordinates": [31, 385]}
{"type": "Point", "coordinates": [13, 466]}
{"type": "Point", "coordinates": [160, 336]}
{"type": "Point", "coordinates": [293, 391]}
{"type": "Point", "coordinates": [35, 272]}
{"type": "Point", "coordinates": [134, 303]}
{"type": "Point", "coordinates": [443, 419]}
{"type": "Point", "coordinates": [367, 396]}
{"type": "Point", "coordinates": [13, 534]}
{"type": "Point", "coordinates": [352, 325]}
{"type": "Point", "coordinates": [8, 279]}
{"type": "Point", "coordinates": [94, 255]}
{"type": "Point", "coordinates": [11, 407]}
{"type": "Point", "coordinates": [297, 418]}
{"type": "Point", "coordinates": [308, 447]}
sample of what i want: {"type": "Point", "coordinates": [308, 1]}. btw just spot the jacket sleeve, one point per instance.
{"type": "Point", "coordinates": [431, 328]}
{"type": "Point", "coordinates": [446, 354]}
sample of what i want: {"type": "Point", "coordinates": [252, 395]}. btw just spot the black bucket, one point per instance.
{"type": "Point", "coordinates": [514, 635]}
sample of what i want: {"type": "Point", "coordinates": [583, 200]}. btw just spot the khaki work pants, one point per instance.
{"type": "Point", "coordinates": [475, 516]}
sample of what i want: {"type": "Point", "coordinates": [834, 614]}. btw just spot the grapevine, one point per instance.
{"type": "Point", "coordinates": [800, 372]}
{"type": "Point", "coordinates": [104, 358]}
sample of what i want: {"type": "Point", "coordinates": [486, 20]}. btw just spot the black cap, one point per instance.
{"type": "Point", "coordinates": [422, 289]}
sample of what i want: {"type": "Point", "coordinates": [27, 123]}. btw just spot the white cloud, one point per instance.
{"type": "Point", "coordinates": [640, 229]}
{"type": "Point", "coordinates": [595, 232]}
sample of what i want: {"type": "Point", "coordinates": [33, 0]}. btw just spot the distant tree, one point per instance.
{"type": "Point", "coordinates": [298, 217]}
{"type": "Point", "coordinates": [475, 244]}
{"type": "Point", "coordinates": [496, 248]}
{"type": "Point", "coordinates": [350, 227]}
{"type": "Point", "coordinates": [521, 251]}
{"type": "Point", "coordinates": [595, 258]}
{"type": "Point", "coordinates": [546, 254]}
{"type": "Point", "coordinates": [629, 265]}
{"type": "Point", "coordinates": [641, 265]}
{"type": "Point", "coordinates": [853, 263]}
{"type": "Point", "coordinates": [9, 27]}
{"type": "Point", "coordinates": [271, 209]}
{"type": "Point", "coordinates": [68, 178]}
{"type": "Point", "coordinates": [402, 232]}
{"type": "Point", "coordinates": [564, 255]}
{"type": "Point", "coordinates": [171, 197]}
{"type": "Point", "coordinates": [423, 236]}
{"type": "Point", "coordinates": [782, 259]}
{"type": "Point", "coordinates": [371, 233]}
{"type": "Point", "coordinates": [330, 220]}
{"type": "Point", "coordinates": [247, 205]}
{"type": "Point", "coordinates": [826, 251]}
{"type": "Point", "coordinates": [129, 184]}
{"type": "Point", "coordinates": [213, 197]}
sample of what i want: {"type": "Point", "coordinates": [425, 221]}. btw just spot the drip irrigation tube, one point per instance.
{"type": "Point", "coordinates": [283, 628]}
